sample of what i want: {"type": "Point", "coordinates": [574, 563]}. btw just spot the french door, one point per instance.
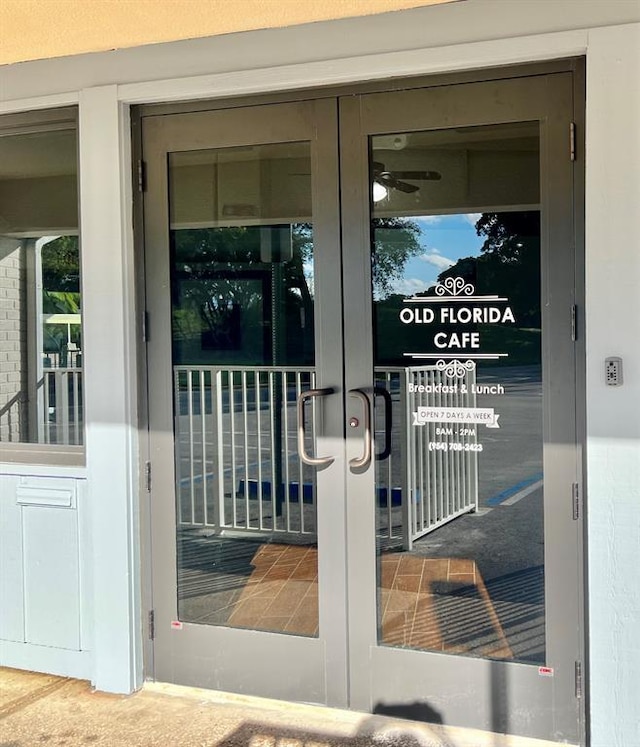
{"type": "Point", "coordinates": [361, 376]}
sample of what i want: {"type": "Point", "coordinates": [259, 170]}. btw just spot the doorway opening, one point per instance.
{"type": "Point", "coordinates": [362, 398]}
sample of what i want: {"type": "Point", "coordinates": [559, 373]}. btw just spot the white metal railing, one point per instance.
{"type": "Point", "coordinates": [391, 432]}
{"type": "Point", "coordinates": [60, 408]}
{"type": "Point", "coordinates": [65, 359]}
{"type": "Point", "coordinates": [442, 483]}
{"type": "Point", "coordinates": [237, 462]}
{"type": "Point", "coordinates": [420, 488]}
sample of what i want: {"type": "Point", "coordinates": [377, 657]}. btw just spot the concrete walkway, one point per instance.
{"type": "Point", "coordinates": [46, 711]}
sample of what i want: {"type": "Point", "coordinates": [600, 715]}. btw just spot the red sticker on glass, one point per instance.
{"type": "Point", "coordinates": [545, 671]}
{"type": "Point", "coordinates": [176, 625]}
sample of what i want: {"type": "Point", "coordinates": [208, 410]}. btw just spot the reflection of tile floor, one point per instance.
{"type": "Point", "coordinates": [440, 604]}
{"type": "Point", "coordinates": [282, 592]}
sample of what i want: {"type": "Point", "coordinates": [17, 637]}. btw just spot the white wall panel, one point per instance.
{"type": "Point", "coordinates": [11, 563]}
{"type": "Point", "coordinates": [613, 414]}
{"type": "Point", "coordinates": [52, 573]}
{"type": "Point", "coordinates": [42, 554]}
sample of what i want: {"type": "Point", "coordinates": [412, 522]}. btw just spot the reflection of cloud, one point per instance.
{"type": "Point", "coordinates": [410, 286]}
{"type": "Point", "coordinates": [473, 218]}
{"type": "Point", "coordinates": [437, 260]}
{"type": "Point", "coordinates": [430, 219]}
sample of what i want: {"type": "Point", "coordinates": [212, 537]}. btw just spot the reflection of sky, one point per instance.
{"type": "Point", "coordinates": [445, 239]}
{"type": "Point", "coordinates": [307, 269]}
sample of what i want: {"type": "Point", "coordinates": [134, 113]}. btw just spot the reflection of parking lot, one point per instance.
{"type": "Point", "coordinates": [245, 450]}
{"type": "Point", "coordinates": [505, 537]}
{"type": "Point", "coordinates": [236, 443]}
{"type": "Point", "coordinates": [513, 452]}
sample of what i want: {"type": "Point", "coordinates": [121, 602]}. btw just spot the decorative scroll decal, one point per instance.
{"type": "Point", "coordinates": [455, 287]}
{"type": "Point", "coordinates": [455, 369]}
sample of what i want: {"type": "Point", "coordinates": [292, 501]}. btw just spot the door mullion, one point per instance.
{"type": "Point", "coordinates": [357, 310]}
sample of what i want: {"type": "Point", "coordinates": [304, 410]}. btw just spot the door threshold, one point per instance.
{"type": "Point", "coordinates": [334, 727]}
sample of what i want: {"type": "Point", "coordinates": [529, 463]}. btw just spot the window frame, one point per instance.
{"type": "Point", "coordinates": [25, 123]}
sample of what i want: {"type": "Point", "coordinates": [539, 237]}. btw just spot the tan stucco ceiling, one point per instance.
{"type": "Point", "coordinates": [37, 29]}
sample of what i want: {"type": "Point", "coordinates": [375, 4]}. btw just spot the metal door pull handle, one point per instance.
{"type": "Point", "coordinates": [365, 459]}
{"type": "Point", "coordinates": [388, 423]}
{"type": "Point", "coordinates": [304, 457]}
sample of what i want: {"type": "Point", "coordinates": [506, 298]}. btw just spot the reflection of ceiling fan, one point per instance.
{"type": "Point", "coordinates": [395, 179]}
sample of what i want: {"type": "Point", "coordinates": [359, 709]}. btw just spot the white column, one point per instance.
{"type": "Point", "coordinates": [33, 293]}
{"type": "Point", "coordinates": [613, 414]}
{"type": "Point", "coordinates": [110, 388]}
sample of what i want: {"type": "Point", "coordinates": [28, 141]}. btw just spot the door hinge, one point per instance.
{"type": "Point", "coordinates": [575, 500]}
{"type": "Point", "coordinates": [578, 677]}
{"type": "Point", "coordinates": [142, 176]}
{"type": "Point", "coordinates": [145, 326]}
{"type": "Point", "coordinates": [572, 140]}
{"type": "Point", "coordinates": [574, 323]}
{"type": "Point", "coordinates": [147, 475]}
{"type": "Point", "coordinates": [152, 625]}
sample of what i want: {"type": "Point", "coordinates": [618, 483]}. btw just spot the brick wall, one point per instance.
{"type": "Point", "coordinates": [13, 345]}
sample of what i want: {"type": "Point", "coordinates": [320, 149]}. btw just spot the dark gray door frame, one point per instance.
{"type": "Point", "coordinates": [498, 696]}
{"type": "Point", "coordinates": [371, 675]}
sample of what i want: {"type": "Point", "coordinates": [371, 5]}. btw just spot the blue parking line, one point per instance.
{"type": "Point", "coordinates": [499, 498]}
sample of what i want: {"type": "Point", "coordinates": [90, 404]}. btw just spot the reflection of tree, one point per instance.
{"type": "Point", "coordinates": [508, 266]}
{"type": "Point", "coordinates": [509, 263]}
{"type": "Point", "coordinates": [60, 260]}
{"type": "Point", "coordinates": [61, 276]}
{"type": "Point", "coordinates": [222, 282]}
{"type": "Point", "coordinates": [227, 292]}
{"type": "Point", "coordinates": [395, 241]}
{"type": "Point", "coordinates": [61, 265]}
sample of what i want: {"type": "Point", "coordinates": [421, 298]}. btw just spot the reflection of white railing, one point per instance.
{"type": "Point", "coordinates": [60, 408]}
{"type": "Point", "coordinates": [237, 465]}
{"type": "Point", "coordinates": [442, 483]}
{"type": "Point", "coordinates": [437, 477]}
{"type": "Point", "coordinates": [69, 357]}
{"type": "Point", "coordinates": [237, 461]}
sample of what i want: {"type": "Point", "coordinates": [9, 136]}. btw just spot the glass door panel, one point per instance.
{"type": "Point", "coordinates": [457, 325]}
{"type": "Point", "coordinates": [463, 548]}
{"type": "Point", "coordinates": [244, 363]}
{"type": "Point", "coordinates": [241, 253]}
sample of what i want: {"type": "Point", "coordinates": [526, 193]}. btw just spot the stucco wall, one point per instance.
{"type": "Point", "coordinates": [39, 29]}
{"type": "Point", "coordinates": [613, 324]}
